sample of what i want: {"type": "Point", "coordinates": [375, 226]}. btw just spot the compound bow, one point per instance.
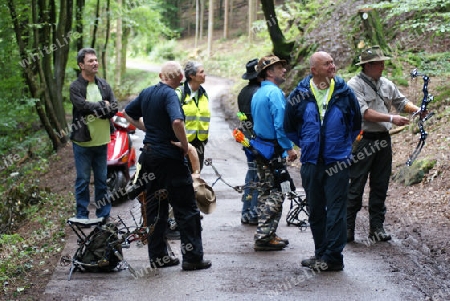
{"type": "Point", "coordinates": [423, 109]}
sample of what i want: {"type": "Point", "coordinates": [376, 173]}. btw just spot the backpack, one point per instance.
{"type": "Point", "coordinates": [97, 252]}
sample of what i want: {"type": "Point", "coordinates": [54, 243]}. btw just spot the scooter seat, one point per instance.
{"type": "Point", "coordinates": [85, 221]}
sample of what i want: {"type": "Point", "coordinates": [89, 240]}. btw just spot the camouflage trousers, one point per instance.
{"type": "Point", "coordinates": [270, 205]}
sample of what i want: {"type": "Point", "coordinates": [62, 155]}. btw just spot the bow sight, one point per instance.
{"type": "Point", "coordinates": [423, 116]}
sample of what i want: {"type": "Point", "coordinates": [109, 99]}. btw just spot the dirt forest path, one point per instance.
{"type": "Point", "coordinates": [237, 272]}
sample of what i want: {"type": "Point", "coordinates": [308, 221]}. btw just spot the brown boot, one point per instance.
{"type": "Point", "coordinates": [285, 241]}
{"type": "Point", "coordinates": [272, 245]}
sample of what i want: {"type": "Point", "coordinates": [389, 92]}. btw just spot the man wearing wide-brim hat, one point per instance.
{"type": "Point", "coordinates": [268, 105]}
{"type": "Point", "coordinates": [376, 96]}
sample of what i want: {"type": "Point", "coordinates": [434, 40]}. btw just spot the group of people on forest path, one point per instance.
{"type": "Point", "coordinates": [331, 122]}
{"type": "Point", "coordinates": [327, 119]}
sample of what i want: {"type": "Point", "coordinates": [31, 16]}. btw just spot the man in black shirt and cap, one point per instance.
{"type": "Point", "coordinates": [250, 196]}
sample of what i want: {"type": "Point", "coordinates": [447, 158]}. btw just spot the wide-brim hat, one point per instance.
{"type": "Point", "coordinates": [372, 54]}
{"type": "Point", "coordinates": [267, 61]}
{"type": "Point", "coordinates": [251, 70]}
{"type": "Point", "coordinates": [205, 196]}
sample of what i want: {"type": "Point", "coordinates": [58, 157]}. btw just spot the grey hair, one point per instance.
{"type": "Point", "coordinates": [191, 68]}
{"type": "Point", "coordinates": [82, 53]}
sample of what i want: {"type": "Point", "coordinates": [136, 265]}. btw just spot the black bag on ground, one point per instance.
{"type": "Point", "coordinates": [97, 253]}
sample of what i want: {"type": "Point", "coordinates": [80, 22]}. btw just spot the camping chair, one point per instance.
{"type": "Point", "coordinates": [298, 212]}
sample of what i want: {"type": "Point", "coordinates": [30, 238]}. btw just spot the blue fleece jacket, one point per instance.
{"type": "Point", "coordinates": [330, 140]}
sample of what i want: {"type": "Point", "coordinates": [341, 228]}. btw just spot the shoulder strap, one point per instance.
{"type": "Point", "coordinates": [367, 81]}
{"type": "Point", "coordinates": [181, 94]}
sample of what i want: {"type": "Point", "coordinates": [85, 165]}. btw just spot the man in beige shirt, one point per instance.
{"type": "Point", "coordinates": [376, 96]}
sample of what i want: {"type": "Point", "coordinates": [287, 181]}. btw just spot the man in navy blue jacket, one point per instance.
{"type": "Point", "coordinates": [322, 117]}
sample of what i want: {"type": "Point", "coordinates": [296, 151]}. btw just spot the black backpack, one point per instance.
{"type": "Point", "coordinates": [98, 252]}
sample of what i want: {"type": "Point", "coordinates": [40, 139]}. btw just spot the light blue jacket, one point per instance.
{"type": "Point", "coordinates": [268, 105]}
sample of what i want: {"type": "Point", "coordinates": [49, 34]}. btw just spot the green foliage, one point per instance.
{"type": "Point", "coordinates": [148, 27]}
{"type": "Point", "coordinates": [134, 81]}
{"type": "Point", "coordinates": [426, 16]}
{"type": "Point", "coordinates": [164, 51]}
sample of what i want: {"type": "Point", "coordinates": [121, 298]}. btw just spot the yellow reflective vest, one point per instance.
{"type": "Point", "coordinates": [196, 111]}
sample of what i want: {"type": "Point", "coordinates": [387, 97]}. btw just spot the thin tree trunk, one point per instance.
{"type": "Point", "coordinates": [79, 11]}
{"type": "Point", "coordinates": [225, 19]}
{"type": "Point", "coordinates": [97, 17]}
{"type": "Point", "coordinates": [105, 46]}
{"type": "Point", "coordinates": [117, 73]}
{"type": "Point", "coordinates": [210, 27]}
{"type": "Point", "coordinates": [197, 20]}
{"type": "Point", "coordinates": [281, 48]}
{"type": "Point", "coordinates": [202, 19]}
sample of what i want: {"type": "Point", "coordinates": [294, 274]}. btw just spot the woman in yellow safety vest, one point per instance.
{"type": "Point", "coordinates": [196, 108]}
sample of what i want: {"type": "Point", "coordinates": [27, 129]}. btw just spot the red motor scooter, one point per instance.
{"type": "Point", "coordinates": [121, 157]}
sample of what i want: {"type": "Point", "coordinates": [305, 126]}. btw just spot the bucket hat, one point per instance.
{"type": "Point", "coordinates": [268, 61]}
{"type": "Point", "coordinates": [205, 196]}
{"type": "Point", "coordinates": [251, 71]}
{"type": "Point", "coordinates": [372, 54]}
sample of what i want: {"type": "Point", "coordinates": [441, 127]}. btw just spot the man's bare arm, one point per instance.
{"type": "Point", "coordinates": [137, 123]}
{"type": "Point", "coordinates": [180, 133]}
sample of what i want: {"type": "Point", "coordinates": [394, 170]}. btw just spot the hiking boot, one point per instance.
{"type": "Point", "coordinates": [350, 235]}
{"type": "Point", "coordinates": [285, 241]}
{"type": "Point", "coordinates": [379, 235]}
{"type": "Point", "coordinates": [309, 261]}
{"type": "Point", "coordinates": [272, 245]}
{"type": "Point", "coordinates": [199, 265]}
{"type": "Point", "coordinates": [164, 262]}
{"type": "Point", "coordinates": [321, 265]}
{"type": "Point", "coordinates": [249, 221]}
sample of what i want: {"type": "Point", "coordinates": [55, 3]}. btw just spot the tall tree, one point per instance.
{"type": "Point", "coordinates": [281, 47]}
{"type": "Point", "coordinates": [202, 18]}
{"type": "Point", "coordinates": [210, 26]}
{"type": "Point", "coordinates": [197, 21]}
{"type": "Point", "coordinates": [105, 45]}
{"type": "Point", "coordinates": [43, 36]}
{"type": "Point", "coordinates": [96, 21]}
{"type": "Point", "coordinates": [117, 73]}
{"type": "Point", "coordinates": [225, 19]}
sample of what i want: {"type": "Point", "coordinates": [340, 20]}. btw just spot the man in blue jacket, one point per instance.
{"type": "Point", "coordinates": [322, 117]}
{"type": "Point", "coordinates": [268, 105]}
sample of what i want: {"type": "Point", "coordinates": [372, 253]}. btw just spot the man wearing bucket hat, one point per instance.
{"type": "Point", "coordinates": [268, 104]}
{"type": "Point", "coordinates": [376, 96]}
{"type": "Point", "coordinates": [250, 196]}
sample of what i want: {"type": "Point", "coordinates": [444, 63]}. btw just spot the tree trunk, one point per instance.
{"type": "Point", "coordinates": [202, 19]}
{"type": "Point", "coordinates": [373, 32]}
{"type": "Point", "coordinates": [230, 16]}
{"type": "Point", "coordinates": [210, 26]}
{"type": "Point", "coordinates": [44, 76]}
{"type": "Point", "coordinates": [117, 73]}
{"type": "Point", "coordinates": [197, 21]}
{"type": "Point", "coordinates": [281, 48]}
{"type": "Point", "coordinates": [225, 19]}
{"type": "Point", "coordinates": [123, 62]}
{"type": "Point", "coordinates": [79, 11]}
{"type": "Point", "coordinates": [105, 46]}
{"type": "Point", "coordinates": [97, 18]}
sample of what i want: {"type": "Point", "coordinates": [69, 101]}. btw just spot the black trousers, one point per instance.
{"type": "Point", "coordinates": [171, 182]}
{"type": "Point", "coordinates": [374, 162]}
